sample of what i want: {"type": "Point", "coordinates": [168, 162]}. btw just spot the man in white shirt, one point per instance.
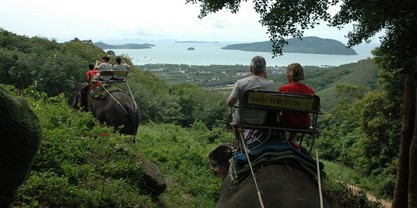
{"type": "Point", "coordinates": [105, 66]}
{"type": "Point", "coordinates": [258, 80]}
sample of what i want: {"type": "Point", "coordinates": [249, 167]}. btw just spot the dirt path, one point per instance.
{"type": "Point", "coordinates": [371, 197]}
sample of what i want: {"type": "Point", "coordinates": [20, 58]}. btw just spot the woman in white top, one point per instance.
{"type": "Point", "coordinates": [120, 66]}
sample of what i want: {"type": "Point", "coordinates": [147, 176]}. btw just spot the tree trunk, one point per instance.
{"type": "Point", "coordinates": [401, 187]}
{"type": "Point", "coordinates": [412, 178]}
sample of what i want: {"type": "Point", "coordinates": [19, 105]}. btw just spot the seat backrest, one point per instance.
{"type": "Point", "coordinates": [277, 101]}
{"type": "Point", "coordinates": [115, 76]}
{"type": "Point", "coordinates": [274, 102]}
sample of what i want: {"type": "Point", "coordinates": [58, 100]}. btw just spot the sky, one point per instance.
{"type": "Point", "coordinates": [145, 20]}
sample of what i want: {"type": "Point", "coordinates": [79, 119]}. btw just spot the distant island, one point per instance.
{"type": "Point", "coordinates": [124, 46]}
{"type": "Point", "coordinates": [312, 45]}
{"type": "Point", "coordinates": [191, 49]}
{"type": "Point", "coordinates": [194, 42]}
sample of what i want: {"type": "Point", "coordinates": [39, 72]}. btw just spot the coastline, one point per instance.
{"type": "Point", "coordinates": [211, 54]}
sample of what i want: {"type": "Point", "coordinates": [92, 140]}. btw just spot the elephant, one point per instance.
{"type": "Point", "coordinates": [115, 110]}
{"type": "Point", "coordinates": [280, 185]}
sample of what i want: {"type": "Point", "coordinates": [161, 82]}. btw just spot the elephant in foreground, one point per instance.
{"type": "Point", "coordinates": [281, 185]}
{"type": "Point", "coordinates": [115, 110]}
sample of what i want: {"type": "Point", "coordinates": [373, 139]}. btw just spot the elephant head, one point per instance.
{"type": "Point", "coordinates": [279, 184]}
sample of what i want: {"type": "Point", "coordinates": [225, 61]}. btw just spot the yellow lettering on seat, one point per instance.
{"type": "Point", "coordinates": [280, 101]}
{"type": "Point", "coordinates": [119, 73]}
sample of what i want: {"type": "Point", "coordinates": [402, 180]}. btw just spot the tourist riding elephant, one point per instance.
{"type": "Point", "coordinates": [115, 110]}
{"type": "Point", "coordinates": [280, 185]}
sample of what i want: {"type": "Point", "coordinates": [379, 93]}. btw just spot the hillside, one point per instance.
{"type": "Point", "coordinates": [312, 45]}
{"type": "Point", "coordinates": [124, 46]}
{"type": "Point", "coordinates": [82, 163]}
{"type": "Point", "coordinates": [323, 80]}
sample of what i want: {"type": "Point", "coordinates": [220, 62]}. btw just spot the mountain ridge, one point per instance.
{"type": "Point", "coordinates": [314, 45]}
{"type": "Point", "coordinates": [124, 46]}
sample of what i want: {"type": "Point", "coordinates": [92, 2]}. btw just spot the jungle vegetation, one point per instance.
{"type": "Point", "coordinates": [84, 163]}
{"type": "Point", "coordinates": [396, 55]}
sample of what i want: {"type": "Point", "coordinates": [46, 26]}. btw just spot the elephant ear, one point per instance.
{"type": "Point", "coordinates": [84, 92]}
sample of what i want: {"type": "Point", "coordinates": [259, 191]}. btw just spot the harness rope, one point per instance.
{"type": "Point", "coordinates": [136, 105]}
{"type": "Point", "coordinates": [118, 103]}
{"type": "Point", "coordinates": [244, 147]}
{"type": "Point", "coordinates": [318, 172]}
{"type": "Point", "coordinates": [251, 169]}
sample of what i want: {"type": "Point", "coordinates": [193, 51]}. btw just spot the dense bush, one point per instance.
{"type": "Point", "coordinates": [342, 196]}
{"type": "Point", "coordinates": [84, 164]}
{"type": "Point", "coordinates": [365, 132]}
{"type": "Point", "coordinates": [56, 68]}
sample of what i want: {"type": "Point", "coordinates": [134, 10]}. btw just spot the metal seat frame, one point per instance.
{"type": "Point", "coordinates": [275, 102]}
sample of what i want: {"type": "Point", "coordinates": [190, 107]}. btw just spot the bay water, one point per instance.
{"type": "Point", "coordinates": [170, 52]}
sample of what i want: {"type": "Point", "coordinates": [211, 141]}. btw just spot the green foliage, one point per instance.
{"type": "Point", "coordinates": [200, 104]}
{"type": "Point", "coordinates": [84, 49]}
{"type": "Point", "coordinates": [84, 164]}
{"type": "Point", "coordinates": [378, 185]}
{"type": "Point", "coordinates": [212, 76]}
{"type": "Point", "coordinates": [324, 80]}
{"type": "Point", "coordinates": [342, 196]}
{"type": "Point", "coordinates": [282, 18]}
{"type": "Point", "coordinates": [81, 163]}
{"type": "Point", "coordinates": [52, 67]}
{"type": "Point", "coordinates": [363, 131]}
{"type": "Point", "coordinates": [398, 51]}
{"type": "Point", "coordinates": [182, 154]}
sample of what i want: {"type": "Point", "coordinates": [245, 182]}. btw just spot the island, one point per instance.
{"type": "Point", "coordinates": [124, 46]}
{"type": "Point", "coordinates": [195, 42]}
{"type": "Point", "coordinates": [191, 49]}
{"type": "Point", "coordinates": [314, 45]}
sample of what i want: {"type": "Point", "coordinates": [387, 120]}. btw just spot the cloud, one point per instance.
{"type": "Point", "coordinates": [218, 23]}
{"type": "Point", "coordinates": [142, 19]}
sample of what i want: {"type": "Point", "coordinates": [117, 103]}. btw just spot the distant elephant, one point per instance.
{"type": "Point", "coordinates": [115, 110]}
{"type": "Point", "coordinates": [281, 185]}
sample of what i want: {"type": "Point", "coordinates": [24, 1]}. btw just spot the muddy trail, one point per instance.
{"type": "Point", "coordinates": [371, 197]}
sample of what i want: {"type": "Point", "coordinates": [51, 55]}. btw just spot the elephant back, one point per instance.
{"type": "Point", "coordinates": [281, 186]}
{"type": "Point", "coordinates": [102, 93]}
{"type": "Point", "coordinates": [115, 108]}
{"type": "Point", "coordinates": [285, 178]}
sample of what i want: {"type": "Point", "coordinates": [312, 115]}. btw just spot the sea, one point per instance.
{"type": "Point", "coordinates": [210, 53]}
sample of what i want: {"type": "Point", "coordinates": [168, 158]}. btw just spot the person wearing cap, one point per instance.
{"type": "Point", "coordinates": [20, 138]}
{"type": "Point", "coordinates": [103, 66]}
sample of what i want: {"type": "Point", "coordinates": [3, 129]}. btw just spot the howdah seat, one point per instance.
{"type": "Point", "coordinates": [111, 77]}
{"type": "Point", "coordinates": [275, 102]}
